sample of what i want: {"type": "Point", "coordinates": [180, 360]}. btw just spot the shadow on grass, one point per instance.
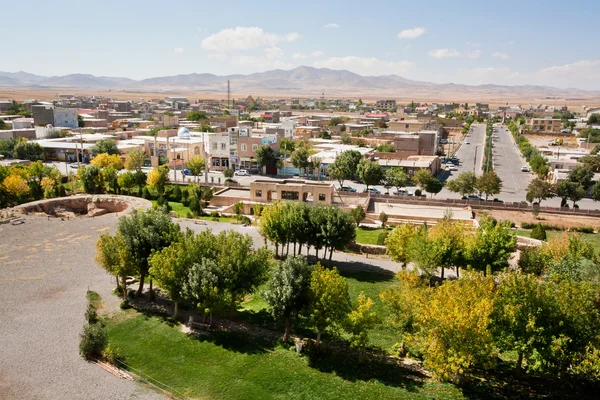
{"type": "Point", "coordinates": [355, 267]}
{"type": "Point", "coordinates": [366, 276]}
{"type": "Point", "coordinates": [238, 342]}
{"type": "Point", "coordinates": [501, 384]}
{"type": "Point", "coordinates": [352, 366]}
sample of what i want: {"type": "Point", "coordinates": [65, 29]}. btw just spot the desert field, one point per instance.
{"type": "Point", "coordinates": [494, 100]}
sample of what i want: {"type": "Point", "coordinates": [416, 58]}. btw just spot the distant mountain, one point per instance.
{"type": "Point", "coordinates": [298, 81]}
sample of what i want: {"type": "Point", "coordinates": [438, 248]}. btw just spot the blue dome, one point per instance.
{"type": "Point", "coordinates": [184, 133]}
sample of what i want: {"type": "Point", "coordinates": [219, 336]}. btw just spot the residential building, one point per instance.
{"type": "Point", "coordinates": [262, 190]}
{"type": "Point", "coordinates": [552, 125]}
{"type": "Point", "coordinates": [385, 104]}
{"type": "Point", "coordinates": [424, 143]}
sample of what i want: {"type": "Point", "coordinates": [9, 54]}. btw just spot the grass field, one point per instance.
{"type": "Point", "coordinates": [592, 238]}
{"type": "Point", "coordinates": [227, 365]}
{"type": "Point", "coordinates": [368, 235]}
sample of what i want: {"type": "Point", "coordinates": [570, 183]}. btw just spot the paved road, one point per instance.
{"type": "Point", "coordinates": [507, 164]}
{"type": "Point", "coordinates": [471, 155]}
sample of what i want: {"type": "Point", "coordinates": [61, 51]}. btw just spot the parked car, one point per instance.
{"type": "Point", "coordinates": [451, 167]}
{"type": "Point", "coordinates": [372, 191]}
{"type": "Point", "coordinates": [74, 165]}
{"type": "Point", "coordinates": [524, 168]}
{"type": "Point", "coordinates": [241, 172]}
{"type": "Point", "coordinates": [402, 192]}
{"type": "Point", "coordinates": [467, 142]}
{"type": "Point", "coordinates": [346, 189]}
{"type": "Point", "coordinates": [187, 172]}
{"type": "Point", "coordinates": [472, 197]}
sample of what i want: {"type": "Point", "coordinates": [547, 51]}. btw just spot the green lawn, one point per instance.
{"type": "Point", "coordinates": [368, 235]}
{"type": "Point", "coordinates": [591, 238]}
{"type": "Point", "coordinates": [226, 365]}
{"type": "Point", "coordinates": [183, 211]}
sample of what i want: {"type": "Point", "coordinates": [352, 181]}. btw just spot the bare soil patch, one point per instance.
{"type": "Point", "coordinates": [518, 217]}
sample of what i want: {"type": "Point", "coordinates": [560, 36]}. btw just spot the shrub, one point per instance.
{"type": "Point", "coordinates": [93, 341]}
{"type": "Point", "coordinates": [383, 218]}
{"type": "Point", "coordinates": [176, 195]}
{"type": "Point", "coordinates": [228, 173]}
{"type": "Point", "coordinates": [61, 191]}
{"type": "Point", "coordinates": [585, 229]}
{"type": "Point", "coordinates": [533, 260]}
{"type": "Point", "coordinates": [124, 304]}
{"type": "Point", "coordinates": [195, 206]}
{"type": "Point", "coordinates": [381, 238]}
{"type": "Point", "coordinates": [146, 194]}
{"type": "Point", "coordinates": [238, 208]}
{"type": "Point", "coordinates": [185, 196]}
{"type": "Point", "coordinates": [538, 232]}
{"type": "Point", "coordinates": [91, 316]}
{"type": "Point", "coordinates": [242, 219]}
{"type": "Point", "coordinates": [215, 214]}
{"type": "Point", "coordinates": [189, 215]}
{"type": "Point", "coordinates": [418, 192]}
{"type": "Point", "coordinates": [111, 354]}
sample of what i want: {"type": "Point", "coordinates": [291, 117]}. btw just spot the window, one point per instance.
{"type": "Point", "coordinates": [225, 162]}
{"type": "Point", "coordinates": [322, 196]}
{"type": "Point", "coordinates": [258, 193]}
{"type": "Point", "coordinates": [287, 195]}
{"type": "Point", "coordinates": [216, 162]}
{"type": "Point", "coordinates": [244, 147]}
{"type": "Point", "coordinates": [254, 147]}
{"type": "Point", "coordinates": [196, 150]}
{"type": "Point", "coordinates": [214, 145]}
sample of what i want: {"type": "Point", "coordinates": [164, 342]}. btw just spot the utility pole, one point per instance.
{"type": "Point", "coordinates": [475, 159]}
{"type": "Point", "coordinates": [228, 93]}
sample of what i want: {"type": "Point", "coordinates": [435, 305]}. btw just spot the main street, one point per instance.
{"type": "Point", "coordinates": [507, 164]}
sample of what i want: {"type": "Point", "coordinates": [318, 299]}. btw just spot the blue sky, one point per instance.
{"type": "Point", "coordinates": [473, 42]}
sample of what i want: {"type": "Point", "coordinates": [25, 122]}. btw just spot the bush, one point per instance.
{"type": "Point", "coordinates": [176, 195]}
{"type": "Point", "coordinates": [381, 238]}
{"type": "Point", "coordinates": [533, 260]}
{"type": "Point", "coordinates": [585, 229]}
{"type": "Point", "coordinates": [61, 191]}
{"type": "Point", "coordinates": [238, 208]}
{"type": "Point", "coordinates": [244, 220]}
{"type": "Point", "coordinates": [418, 192]}
{"type": "Point", "coordinates": [189, 215]}
{"type": "Point", "coordinates": [91, 316]}
{"type": "Point", "coordinates": [538, 232]}
{"type": "Point", "coordinates": [215, 214]}
{"type": "Point", "coordinates": [146, 194]}
{"type": "Point", "coordinates": [228, 173]}
{"type": "Point", "coordinates": [111, 355]}
{"type": "Point", "coordinates": [93, 341]}
{"type": "Point", "coordinates": [124, 304]}
{"type": "Point", "coordinates": [508, 223]}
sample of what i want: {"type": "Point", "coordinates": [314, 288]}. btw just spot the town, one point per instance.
{"type": "Point", "coordinates": [304, 201]}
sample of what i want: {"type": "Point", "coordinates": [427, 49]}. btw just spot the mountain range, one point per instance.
{"type": "Point", "coordinates": [298, 81]}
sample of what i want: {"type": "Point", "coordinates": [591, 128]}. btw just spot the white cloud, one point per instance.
{"type": "Point", "coordinates": [584, 69]}
{"type": "Point", "coordinates": [291, 37]}
{"type": "Point", "coordinates": [217, 56]}
{"type": "Point", "coordinates": [511, 42]}
{"type": "Point", "coordinates": [365, 66]}
{"type": "Point", "coordinates": [331, 25]}
{"type": "Point", "coordinates": [412, 33]}
{"type": "Point", "coordinates": [179, 50]}
{"type": "Point", "coordinates": [444, 53]}
{"type": "Point", "coordinates": [473, 53]}
{"type": "Point", "coordinates": [299, 56]}
{"type": "Point", "coordinates": [317, 53]}
{"type": "Point", "coordinates": [244, 38]}
{"type": "Point", "coordinates": [273, 58]}
{"type": "Point", "coordinates": [501, 56]}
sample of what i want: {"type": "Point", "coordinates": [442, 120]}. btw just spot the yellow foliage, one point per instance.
{"type": "Point", "coordinates": [105, 160]}
{"type": "Point", "coordinates": [16, 185]}
{"type": "Point", "coordinates": [47, 184]}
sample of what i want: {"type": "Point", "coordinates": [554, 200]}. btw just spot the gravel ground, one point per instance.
{"type": "Point", "coordinates": [46, 267]}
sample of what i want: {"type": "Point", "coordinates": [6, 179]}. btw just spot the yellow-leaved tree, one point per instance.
{"type": "Point", "coordinates": [105, 160]}
{"type": "Point", "coordinates": [16, 185]}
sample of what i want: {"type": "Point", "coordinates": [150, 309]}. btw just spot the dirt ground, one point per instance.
{"type": "Point", "coordinates": [544, 140]}
{"type": "Point", "coordinates": [403, 97]}
{"type": "Point", "coordinates": [518, 217]}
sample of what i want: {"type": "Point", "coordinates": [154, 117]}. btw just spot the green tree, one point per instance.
{"type": "Point", "coordinates": [397, 243]}
{"type": "Point", "coordinates": [228, 173]}
{"type": "Point", "coordinates": [434, 186]}
{"type": "Point", "coordinates": [396, 177]}
{"type": "Point", "coordinates": [345, 165]}
{"type": "Point", "coordinates": [329, 302]}
{"type": "Point", "coordinates": [369, 172]}
{"type": "Point", "coordinates": [489, 184]}
{"type": "Point", "coordinates": [196, 116]}
{"type": "Point", "coordinates": [383, 218]}
{"type": "Point", "coordinates": [594, 119]}
{"type": "Point", "coordinates": [422, 177]}
{"type": "Point", "coordinates": [568, 190]}
{"type": "Point", "coordinates": [465, 183]}
{"type": "Point", "coordinates": [522, 317]}
{"type": "Point", "coordinates": [112, 255]}
{"type": "Point", "coordinates": [135, 160]}
{"type": "Point", "coordinates": [126, 181]}
{"type": "Point", "coordinates": [539, 189]}
{"type": "Point", "coordinates": [582, 175]}
{"type": "Point", "coordinates": [107, 146]}
{"type": "Point", "coordinates": [158, 179]}
{"type": "Point", "coordinates": [109, 177]}
{"type": "Point", "coordinates": [265, 156]}
{"type": "Point", "coordinates": [490, 247]}
{"type": "Point", "coordinates": [300, 158]}
{"type": "Point", "coordinates": [287, 146]}
{"type": "Point", "coordinates": [595, 192]}
{"type": "Point", "coordinates": [92, 179]}
{"type": "Point", "coordinates": [203, 286]}
{"type": "Point", "coordinates": [196, 166]}
{"type": "Point", "coordinates": [358, 213]}
{"type": "Point", "coordinates": [145, 232]}
{"type": "Point", "coordinates": [25, 150]}
{"type": "Point", "coordinates": [592, 161]}
{"type": "Point", "coordinates": [447, 240]}
{"type": "Point", "coordinates": [360, 320]}
{"type": "Point", "coordinates": [539, 165]}
{"type": "Point", "coordinates": [287, 290]}
{"type": "Point", "coordinates": [538, 232]}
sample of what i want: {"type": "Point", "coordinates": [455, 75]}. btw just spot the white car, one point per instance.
{"type": "Point", "coordinates": [524, 168]}
{"type": "Point", "coordinates": [467, 142]}
{"type": "Point", "coordinates": [241, 172]}
{"type": "Point", "coordinates": [451, 168]}
{"type": "Point", "coordinates": [402, 192]}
